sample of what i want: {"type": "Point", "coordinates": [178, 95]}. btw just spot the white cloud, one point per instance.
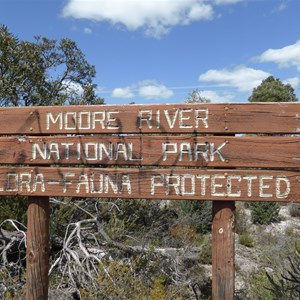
{"type": "Point", "coordinates": [280, 7]}
{"type": "Point", "coordinates": [285, 57]}
{"type": "Point", "coordinates": [155, 16]}
{"type": "Point", "coordinates": [149, 89]}
{"type": "Point", "coordinates": [122, 93]}
{"type": "Point", "coordinates": [87, 30]}
{"type": "Point", "coordinates": [72, 87]}
{"type": "Point", "coordinates": [216, 97]}
{"type": "Point", "coordinates": [294, 81]}
{"type": "Point", "coordinates": [154, 90]}
{"type": "Point", "coordinates": [242, 78]}
{"type": "Point", "coordinates": [223, 2]}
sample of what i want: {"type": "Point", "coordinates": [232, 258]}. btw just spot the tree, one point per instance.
{"type": "Point", "coordinates": [264, 212]}
{"type": "Point", "coordinates": [273, 90]}
{"type": "Point", "coordinates": [44, 72]}
{"type": "Point", "coordinates": [196, 97]}
{"type": "Point", "coordinates": [270, 90]}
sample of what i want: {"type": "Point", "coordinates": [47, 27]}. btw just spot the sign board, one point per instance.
{"type": "Point", "coordinates": [227, 152]}
{"type": "Point", "coordinates": [185, 151]}
{"type": "Point", "coordinates": [171, 183]}
{"type": "Point", "coordinates": [279, 118]}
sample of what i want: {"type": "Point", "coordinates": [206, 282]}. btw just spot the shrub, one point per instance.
{"type": "Point", "coordinates": [241, 218]}
{"type": "Point", "coordinates": [12, 207]}
{"type": "Point", "coordinates": [259, 287]}
{"type": "Point", "coordinates": [264, 212]}
{"type": "Point", "coordinates": [287, 285]}
{"type": "Point", "coordinates": [294, 209]}
{"type": "Point", "coordinates": [197, 214]}
{"type": "Point", "coordinates": [205, 256]}
{"type": "Point", "coordinates": [246, 240]}
{"type": "Point", "coordinates": [184, 235]}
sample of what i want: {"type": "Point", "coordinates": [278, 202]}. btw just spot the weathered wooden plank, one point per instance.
{"type": "Point", "coordinates": [37, 252]}
{"type": "Point", "coordinates": [175, 118]}
{"type": "Point", "coordinates": [205, 151]}
{"type": "Point", "coordinates": [223, 252]}
{"type": "Point", "coordinates": [177, 184]}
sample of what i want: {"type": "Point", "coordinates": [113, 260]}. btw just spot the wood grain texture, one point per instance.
{"type": "Point", "coordinates": [221, 152]}
{"type": "Point", "coordinates": [37, 252]}
{"type": "Point", "coordinates": [132, 183]}
{"type": "Point", "coordinates": [223, 252]}
{"type": "Point", "coordinates": [175, 118]}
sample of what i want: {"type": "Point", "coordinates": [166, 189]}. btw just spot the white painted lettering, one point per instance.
{"type": "Point", "coordinates": [249, 184]}
{"type": "Point", "coordinates": [263, 186]}
{"type": "Point", "coordinates": [24, 180]}
{"type": "Point", "coordinates": [191, 180]}
{"type": "Point", "coordinates": [282, 192]}
{"type": "Point", "coordinates": [168, 148]}
{"type": "Point", "coordinates": [83, 181]}
{"type": "Point", "coordinates": [215, 186]}
{"type": "Point", "coordinates": [201, 117]}
{"type": "Point", "coordinates": [67, 180]}
{"type": "Point", "coordinates": [230, 192]}
{"type": "Point", "coordinates": [171, 119]}
{"type": "Point", "coordinates": [58, 119]}
{"type": "Point", "coordinates": [183, 116]}
{"type": "Point", "coordinates": [145, 116]}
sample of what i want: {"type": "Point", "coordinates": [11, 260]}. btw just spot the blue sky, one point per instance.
{"type": "Point", "coordinates": [158, 51]}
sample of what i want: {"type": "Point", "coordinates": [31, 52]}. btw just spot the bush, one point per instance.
{"type": "Point", "coordinates": [246, 240]}
{"type": "Point", "coordinates": [12, 207]}
{"type": "Point", "coordinates": [287, 286]}
{"type": "Point", "coordinates": [259, 287]}
{"type": "Point", "coordinates": [241, 219]}
{"type": "Point", "coordinates": [294, 209]}
{"type": "Point", "coordinates": [264, 212]}
{"type": "Point", "coordinates": [205, 256]}
{"type": "Point", "coordinates": [139, 277]}
{"type": "Point", "coordinates": [197, 214]}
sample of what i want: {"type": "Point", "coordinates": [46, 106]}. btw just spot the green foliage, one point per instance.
{"type": "Point", "coordinates": [258, 287]}
{"type": "Point", "coordinates": [44, 72]}
{"type": "Point", "coordinates": [184, 236]}
{"type": "Point", "coordinates": [144, 220]}
{"type": "Point", "coordinates": [61, 215]}
{"type": "Point", "coordinates": [140, 277]}
{"type": "Point", "coordinates": [273, 90]}
{"type": "Point", "coordinates": [12, 207]}
{"type": "Point", "coordinates": [197, 214]}
{"type": "Point", "coordinates": [12, 285]}
{"type": "Point", "coordinates": [294, 209]}
{"type": "Point", "coordinates": [264, 212]}
{"type": "Point", "coordinates": [287, 285]}
{"type": "Point", "coordinates": [241, 224]}
{"type": "Point", "coordinates": [205, 256]}
{"type": "Point", "coordinates": [196, 97]}
{"type": "Point", "coordinates": [247, 240]}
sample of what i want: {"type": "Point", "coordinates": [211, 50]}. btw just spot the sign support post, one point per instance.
{"type": "Point", "coordinates": [37, 253]}
{"type": "Point", "coordinates": [223, 254]}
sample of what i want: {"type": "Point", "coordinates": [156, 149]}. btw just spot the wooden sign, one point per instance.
{"type": "Point", "coordinates": [277, 118]}
{"type": "Point", "coordinates": [181, 151]}
{"type": "Point", "coordinates": [173, 183]}
{"type": "Point", "coordinates": [186, 151]}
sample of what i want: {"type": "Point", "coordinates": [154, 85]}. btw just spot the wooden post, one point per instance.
{"type": "Point", "coordinates": [223, 263]}
{"type": "Point", "coordinates": [37, 259]}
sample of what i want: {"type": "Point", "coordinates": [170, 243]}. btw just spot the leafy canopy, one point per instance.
{"type": "Point", "coordinates": [273, 90]}
{"type": "Point", "coordinates": [196, 97]}
{"type": "Point", "coordinates": [44, 72]}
